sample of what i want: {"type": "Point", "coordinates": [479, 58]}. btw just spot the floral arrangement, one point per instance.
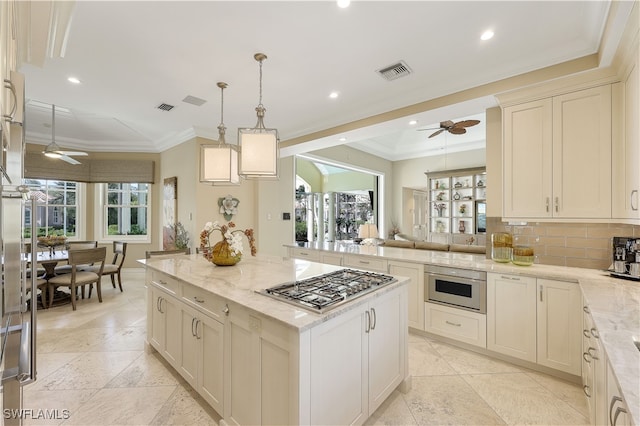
{"type": "Point", "coordinates": [233, 237]}
{"type": "Point", "coordinates": [52, 240]}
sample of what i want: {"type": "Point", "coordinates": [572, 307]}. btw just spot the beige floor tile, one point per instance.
{"type": "Point", "coordinates": [519, 399]}
{"type": "Point", "coordinates": [122, 406]}
{"type": "Point", "coordinates": [124, 339]}
{"type": "Point", "coordinates": [393, 411]}
{"type": "Point", "coordinates": [53, 407]}
{"type": "Point", "coordinates": [571, 393]}
{"type": "Point", "coordinates": [147, 370]}
{"type": "Point", "coordinates": [448, 400]}
{"type": "Point", "coordinates": [467, 362]}
{"type": "Point", "coordinates": [185, 407]}
{"type": "Point", "coordinates": [47, 363]}
{"type": "Point", "coordinates": [425, 361]}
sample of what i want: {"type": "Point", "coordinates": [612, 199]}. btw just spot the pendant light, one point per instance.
{"type": "Point", "coordinates": [219, 162]}
{"type": "Point", "coordinates": [259, 152]}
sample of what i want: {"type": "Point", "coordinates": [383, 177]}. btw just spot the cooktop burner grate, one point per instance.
{"type": "Point", "coordinates": [327, 291]}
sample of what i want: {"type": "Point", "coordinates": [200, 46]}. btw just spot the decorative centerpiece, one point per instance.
{"type": "Point", "coordinates": [52, 241]}
{"type": "Point", "coordinates": [228, 251]}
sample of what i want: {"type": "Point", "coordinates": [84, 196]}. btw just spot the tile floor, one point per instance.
{"type": "Point", "coordinates": [92, 363]}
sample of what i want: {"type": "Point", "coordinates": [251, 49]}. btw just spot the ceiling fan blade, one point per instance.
{"type": "Point", "coordinates": [69, 153]}
{"type": "Point", "coordinates": [466, 123]}
{"type": "Point", "coordinates": [429, 128]}
{"type": "Point", "coordinates": [69, 160]}
{"type": "Point", "coordinates": [436, 133]}
{"type": "Point", "coordinates": [457, 130]}
{"type": "Point", "coordinates": [446, 124]}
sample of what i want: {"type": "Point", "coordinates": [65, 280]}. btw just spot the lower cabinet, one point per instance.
{"type": "Point", "coordinates": [536, 320]}
{"type": "Point", "coordinates": [415, 271]}
{"type": "Point", "coordinates": [349, 384]}
{"type": "Point", "coordinates": [618, 413]}
{"type": "Point", "coordinates": [594, 373]}
{"type": "Point", "coordinates": [202, 355]}
{"type": "Point", "coordinates": [164, 335]}
{"type": "Point", "coordinates": [458, 324]}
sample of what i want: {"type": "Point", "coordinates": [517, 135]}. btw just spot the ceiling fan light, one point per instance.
{"type": "Point", "coordinates": [51, 154]}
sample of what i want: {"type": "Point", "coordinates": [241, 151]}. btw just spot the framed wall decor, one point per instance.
{"type": "Point", "coordinates": [170, 209]}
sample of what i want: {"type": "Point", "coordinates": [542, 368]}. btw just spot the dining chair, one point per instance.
{"type": "Point", "coordinates": [156, 253]}
{"type": "Point", "coordinates": [113, 269]}
{"type": "Point", "coordinates": [77, 277]}
{"type": "Point", "coordinates": [75, 245]}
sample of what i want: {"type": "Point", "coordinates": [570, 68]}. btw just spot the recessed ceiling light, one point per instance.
{"type": "Point", "coordinates": [486, 35]}
{"type": "Point", "coordinates": [333, 95]}
{"type": "Point", "coordinates": [342, 139]}
{"type": "Point", "coordinates": [343, 3]}
{"type": "Point", "coordinates": [73, 80]}
{"type": "Point", "coordinates": [413, 122]}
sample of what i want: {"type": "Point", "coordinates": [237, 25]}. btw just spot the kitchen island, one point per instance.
{"type": "Point", "coordinates": [613, 304]}
{"type": "Point", "coordinates": [257, 360]}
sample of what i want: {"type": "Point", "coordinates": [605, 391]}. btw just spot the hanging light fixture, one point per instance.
{"type": "Point", "coordinates": [258, 146]}
{"type": "Point", "coordinates": [219, 162]}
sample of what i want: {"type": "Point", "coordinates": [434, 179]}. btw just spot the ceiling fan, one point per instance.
{"type": "Point", "coordinates": [53, 150]}
{"type": "Point", "coordinates": [453, 128]}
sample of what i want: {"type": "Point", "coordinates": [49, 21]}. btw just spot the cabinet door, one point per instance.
{"type": "Point", "coordinates": [172, 312]}
{"type": "Point", "coordinates": [331, 259]}
{"type": "Point", "coordinates": [189, 346]}
{"type": "Point", "coordinates": [210, 384]}
{"type": "Point", "coordinates": [416, 290]}
{"type": "Point", "coordinates": [511, 315]}
{"type": "Point", "coordinates": [386, 347]}
{"type": "Point", "coordinates": [339, 376]}
{"type": "Point", "coordinates": [582, 154]}
{"type": "Point", "coordinates": [559, 325]}
{"type": "Point", "coordinates": [618, 413]}
{"type": "Point", "coordinates": [527, 160]}
{"type": "Point", "coordinates": [156, 319]}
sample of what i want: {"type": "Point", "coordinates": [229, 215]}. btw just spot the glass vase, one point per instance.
{"type": "Point", "coordinates": [221, 254]}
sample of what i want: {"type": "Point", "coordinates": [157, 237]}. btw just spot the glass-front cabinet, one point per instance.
{"type": "Point", "coordinates": [457, 203]}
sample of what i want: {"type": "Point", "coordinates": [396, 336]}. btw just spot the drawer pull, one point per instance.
{"type": "Point", "coordinates": [613, 402]}
{"type": "Point", "coordinates": [364, 262]}
{"type": "Point", "coordinates": [585, 355]}
{"type": "Point", "coordinates": [226, 310]}
{"type": "Point", "coordinates": [585, 389]}
{"type": "Point", "coordinates": [586, 334]}
{"type": "Point", "coordinates": [367, 321]}
{"type": "Point", "coordinates": [594, 333]}
{"type": "Point", "coordinates": [197, 299]}
{"type": "Point", "coordinates": [454, 324]}
{"type": "Point", "coordinates": [510, 278]}
{"type": "Point", "coordinates": [592, 355]}
{"type": "Point", "coordinates": [373, 315]}
{"type": "Point", "coordinates": [304, 254]}
{"type": "Point", "coordinates": [586, 309]}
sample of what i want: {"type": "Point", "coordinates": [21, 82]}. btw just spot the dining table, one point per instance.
{"type": "Point", "coordinates": [49, 259]}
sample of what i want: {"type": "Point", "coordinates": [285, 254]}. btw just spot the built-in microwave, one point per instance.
{"type": "Point", "coordinates": [458, 288]}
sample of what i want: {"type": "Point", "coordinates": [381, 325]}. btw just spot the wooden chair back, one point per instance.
{"type": "Point", "coordinates": [81, 245]}
{"type": "Point", "coordinates": [87, 257]}
{"type": "Point", "coordinates": [154, 253]}
{"type": "Point", "coordinates": [119, 253]}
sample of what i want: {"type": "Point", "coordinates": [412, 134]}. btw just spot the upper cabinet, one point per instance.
{"type": "Point", "coordinates": [557, 156]}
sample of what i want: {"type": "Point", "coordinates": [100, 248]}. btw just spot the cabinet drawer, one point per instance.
{"type": "Point", "coordinates": [300, 253]}
{"type": "Point", "coordinates": [457, 324]}
{"type": "Point", "coordinates": [370, 263]}
{"type": "Point", "coordinates": [202, 299]}
{"type": "Point", "coordinates": [331, 259]}
{"type": "Point", "coordinates": [165, 282]}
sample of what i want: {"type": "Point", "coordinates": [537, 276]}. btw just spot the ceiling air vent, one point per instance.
{"type": "Point", "coordinates": [194, 100]}
{"type": "Point", "coordinates": [395, 71]}
{"type": "Point", "coordinates": [165, 107]}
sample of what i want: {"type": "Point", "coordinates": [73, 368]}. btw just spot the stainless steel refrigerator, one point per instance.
{"type": "Point", "coordinates": [18, 328]}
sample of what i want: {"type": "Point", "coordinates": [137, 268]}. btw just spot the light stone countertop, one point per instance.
{"type": "Point", "coordinates": [239, 284]}
{"type": "Point", "coordinates": [614, 303]}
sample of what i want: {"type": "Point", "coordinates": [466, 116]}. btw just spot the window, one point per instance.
{"type": "Point", "coordinates": [126, 211]}
{"type": "Point", "coordinates": [57, 208]}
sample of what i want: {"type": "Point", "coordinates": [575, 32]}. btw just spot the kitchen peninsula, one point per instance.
{"type": "Point", "coordinates": [548, 318]}
{"type": "Point", "coordinates": [257, 360]}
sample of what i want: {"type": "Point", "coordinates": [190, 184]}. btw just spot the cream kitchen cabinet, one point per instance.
{"type": "Point", "coordinates": [511, 315]}
{"type": "Point", "coordinates": [559, 325]}
{"type": "Point", "coordinates": [594, 373]}
{"type": "Point", "coordinates": [536, 320]}
{"type": "Point", "coordinates": [347, 386]}
{"type": "Point", "coordinates": [415, 271]}
{"type": "Point", "coordinates": [306, 254]}
{"type": "Point", "coordinates": [557, 157]}
{"type": "Point", "coordinates": [458, 324]}
{"type": "Point", "coordinates": [331, 258]}
{"type": "Point", "coordinates": [261, 365]}
{"type": "Point", "coordinates": [164, 315]}
{"type": "Point", "coordinates": [370, 263]}
{"type": "Point", "coordinates": [201, 361]}
{"type": "Point", "coordinates": [618, 412]}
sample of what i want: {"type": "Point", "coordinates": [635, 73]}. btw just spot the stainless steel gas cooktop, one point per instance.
{"type": "Point", "coordinates": [324, 292]}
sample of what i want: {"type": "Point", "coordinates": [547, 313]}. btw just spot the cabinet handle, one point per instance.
{"type": "Point", "coordinates": [556, 204]}
{"type": "Point", "coordinates": [613, 402]}
{"type": "Point", "coordinates": [585, 389]}
{"type": "Point", "coordinates": [364, 262]}
{"type": "Point", "coordinates": [615, 417]}
{"type": "Point", "coordinates": [196, 335]}
{"type": "Point", "coordinates": [593, 356]}
{"type": "Point", "coordinates": [367, 319]}
{"type": "Point", "coordinates": [509, 278]}
{"type": "Point", "coordinates": [547, 204]}
{"type": "Point", "coordinates": [8, 84]}
{"type": "Point", "coordinates": [594, 333]}
{"type": "Point", "coordinates": [193, 333]}
{"type": "Point", "coordinates": [585, 355]}
{"type": "Point", "coordinates": [453, 323]}
{"type": "Point", "coordinates": [373, 314]}
{"type": "Point", "coordinates": [158, 304]}
{"type": "Point", "coordinates": [586, 334]}
{"type": "Point", "coordinates": [304, 254]}
{"type": "Point", "coordinates": [634, 208]}
{"type": "Point", "coordinates": [541, 288]}
{"type": "Point", "coordinates": [586, 310]}
{"type": "Point", "coordinates": [226, 310]}
{"type": "Point", "coordinates": [197, 299]}
{"type": "Point", "coordinates": [160, 299]}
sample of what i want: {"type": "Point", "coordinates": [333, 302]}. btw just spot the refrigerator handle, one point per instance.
{"type": "Point", "coordinates": [27, 365]}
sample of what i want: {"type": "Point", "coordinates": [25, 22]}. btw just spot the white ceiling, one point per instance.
{"type": "Point", "coordinates": [133, 56]}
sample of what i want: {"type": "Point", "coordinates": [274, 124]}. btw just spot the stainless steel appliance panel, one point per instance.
{"type": "Point", "coordinates": [458, 288]}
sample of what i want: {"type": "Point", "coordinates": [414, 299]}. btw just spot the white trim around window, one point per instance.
{"type": "Point", "coordinates": [101, 208]}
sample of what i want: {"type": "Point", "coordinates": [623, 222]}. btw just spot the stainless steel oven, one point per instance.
{"type": "Point", "coordinates": [456, 287]}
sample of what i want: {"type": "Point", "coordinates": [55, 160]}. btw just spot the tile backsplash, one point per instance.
{"type": "Point", "coordinates": [583, 245]}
